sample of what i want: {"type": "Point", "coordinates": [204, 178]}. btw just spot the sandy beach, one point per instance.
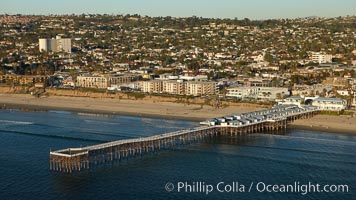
{"type": "Point", "coordinates": [148, 108]}
{"type": "Point", "coordinates": [343, 123]}
{"type": "Point", "coordinates": [160, 109]}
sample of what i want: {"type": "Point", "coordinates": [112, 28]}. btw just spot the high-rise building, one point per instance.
{"type": "Point", "coordinates": [58, 44]}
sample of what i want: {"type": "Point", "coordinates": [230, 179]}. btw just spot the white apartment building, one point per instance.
{"type": "Point", "coordinates": [260, 93]}
{"type": "Point", "coordinates": [174, 87]}
{"type": "Point", "coordinates": [155, 86]}
{"type": "Point", "coordinates": [319, 57]}
{"type": "Point", "coordinates": [194, 88]}
{"type": "Point", "coordinates": [58, 44]}
{"type": "Point", "coordinates": [333, 104]}
{"type": "Point", "coordinates": [92, 82]}
{"type": "Point", "coordinates": [102, 81]}
{"type": "Point", "coordinates": [47, 45]}
{"type": "Point", "coordinates": [197, 88]}
{"type": "Point", "coordinates": [240, 92]}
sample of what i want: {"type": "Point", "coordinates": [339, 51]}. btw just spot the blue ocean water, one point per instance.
{"type": "Point", "coordinates": [300, 156]}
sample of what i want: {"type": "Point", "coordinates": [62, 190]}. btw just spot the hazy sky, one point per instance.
{"type": "Point", "coordinates": [254, 9]}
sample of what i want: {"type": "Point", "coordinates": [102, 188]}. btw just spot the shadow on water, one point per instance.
{"type": "Point", "coordinates": [211, 158]}
{"type": "Point", "coordinates": [149, 159]}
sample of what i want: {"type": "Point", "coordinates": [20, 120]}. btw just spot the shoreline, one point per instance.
{"type": "Point", "coordinates": [36, 108]}
{"type": "Point", "coordinates": [328, 123]}
{"type": "Point", "coordinates": [327, 130]}
{"type": "Point", "coordinates": [161, 110]}
{"type": "Point", "coordinates": [153, 108]}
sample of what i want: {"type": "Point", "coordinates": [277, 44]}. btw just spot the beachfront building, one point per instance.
{"type": "Point", "coordinates": [179, 87]}
{"type": "Point", "coordinates": [258, 93]}
{"type": "Point", "coordinates": [292, 100]}
{"type": "Point", "coordinates": [155, 86]}
{"type": "Point", "coordinates": [174, 87]}
{"type": "Point", "coordinates": [92, 82]}
{"type": "Point", "coordinates": [332, 104]}
{"type": "Point", "coordinates": [239, 92]}
{"type": "Point", "coordinates": [102, 81]}
{"type": "Point", "coordinates": [198, 88]}
{"type": "Point", "coordinates": [29, 80]}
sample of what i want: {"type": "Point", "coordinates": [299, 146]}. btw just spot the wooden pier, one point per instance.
{"type": "Point", "coordinates": [78, 159]}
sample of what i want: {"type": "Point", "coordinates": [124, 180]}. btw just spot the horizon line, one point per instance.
{"type": "Point", "coordinates": [179, 17]}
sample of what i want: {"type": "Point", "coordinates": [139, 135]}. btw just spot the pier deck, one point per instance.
{"type": "Point", "coordinates": [77, 159]}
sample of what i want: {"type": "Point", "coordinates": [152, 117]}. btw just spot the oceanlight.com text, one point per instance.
{"type": "Point", "coordinates": [261, 187]}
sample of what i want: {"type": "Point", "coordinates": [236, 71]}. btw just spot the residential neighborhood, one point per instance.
{"type": "Point", "coordinates": [227, 59]}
